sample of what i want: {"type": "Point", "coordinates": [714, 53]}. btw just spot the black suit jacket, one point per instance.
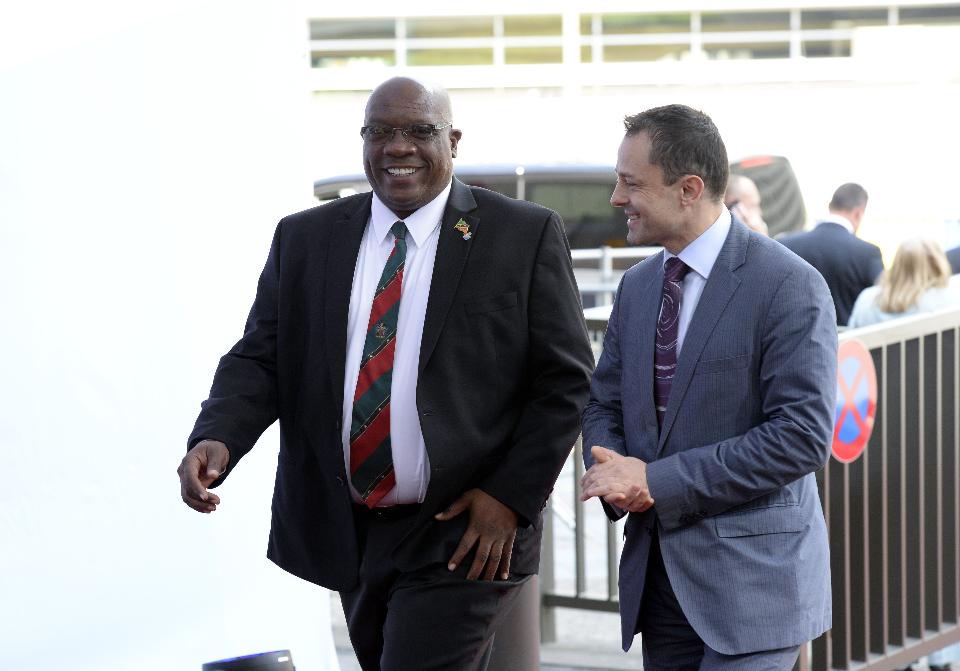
{"type": "Point", "coordinates": [847, 263]}
{"type": "Point", "coordinates": [953, 256]}
{"type": "Point", "coordinates": [504, 372]}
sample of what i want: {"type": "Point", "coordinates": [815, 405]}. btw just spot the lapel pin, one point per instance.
{"type": "Point", "coordinates": [464, 228]}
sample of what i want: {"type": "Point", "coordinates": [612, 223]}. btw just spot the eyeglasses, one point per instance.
{"type": "Point", "coordinates": [420, 132]}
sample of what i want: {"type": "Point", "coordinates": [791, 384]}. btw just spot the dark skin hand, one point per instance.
{"type": "Point", "coordinates": [199, 469]}
{"type": "Point", "coordinates": [492, 529]}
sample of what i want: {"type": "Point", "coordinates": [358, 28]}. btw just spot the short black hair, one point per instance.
{"type": "Point", "coordinates": [848, 197]}
{"type": "Point", "coordinates": [684, 141]}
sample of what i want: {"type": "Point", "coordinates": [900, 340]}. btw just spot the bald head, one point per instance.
{"type": "Point", "coordinates": [741, 188]}
{"type": "Point", "coordinates": [417, 92]}
{"type": "Point", "coordinates": [409, 161]}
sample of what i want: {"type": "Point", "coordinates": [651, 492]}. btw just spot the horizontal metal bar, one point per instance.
{"type": "Point", "coordinates": [582, 603]}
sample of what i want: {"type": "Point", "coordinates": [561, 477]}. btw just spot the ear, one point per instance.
{"type": "Point", "coordinates": [691, 189]}
{"type": "Point", "coordinates": [455, 135]}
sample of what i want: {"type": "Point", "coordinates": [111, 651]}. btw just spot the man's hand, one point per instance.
{"type": "Point", "coordinates": [202, 465]}
{"type": "Point", "coordinates": [620, 480]}
{"type": "Point", "coordinates": [493, 526]}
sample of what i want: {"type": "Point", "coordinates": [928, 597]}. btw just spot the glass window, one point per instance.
{"type": "Point", "coordinates": [635, 24]}
{"type": "Point", "coordinates": [450, 57]}
{"type": "Point", "coordinates": [628, 53]}
{"type": "Point", "coordinates": [930, 15]}
{"type": "Point", "coordinates": [452, 26]}
{"type": "Point", "coordinates": [819, 19]}
{"type": "Point", "coordinates": [586, 54]}
{"type": "Point", "coordinates": [531, 55]}
{"type": "Point", "coordinates": [588, 217]}
{"type": "Point", "coordinates": [747, 50]}
{"type": "Point", "coordinates": [339, 59]}
{"type": "Point", "coordinates": [740, 21]}
{"type": "Point", "coordinates": [352, 29]}
{"type": "Point", "coordinates": [532, 26]}
{"type": "Point", "coordinates": [826, 49]}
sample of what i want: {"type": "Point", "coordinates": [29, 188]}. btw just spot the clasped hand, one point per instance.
{"type": "Point", "coordinates": [620, 481]}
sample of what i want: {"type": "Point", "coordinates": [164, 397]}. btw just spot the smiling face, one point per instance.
{"type": "Point", "coordinates": [653, 208]}
{"type": "Point", "coordinates": [405, 173]}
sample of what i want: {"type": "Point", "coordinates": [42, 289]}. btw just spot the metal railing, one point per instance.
{"type": "Point", "coordinates": [893, 515]}
{"type": "Point", "coordinates": [598, 273]}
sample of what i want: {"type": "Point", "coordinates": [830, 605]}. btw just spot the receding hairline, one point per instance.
{"type": "Point", "coordinates": [437, 95]}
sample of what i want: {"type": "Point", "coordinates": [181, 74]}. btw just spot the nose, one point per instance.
{"type": "Point", "coordinates": [399, 144]}
{"type": "Point", "coordinates": [617, 198]}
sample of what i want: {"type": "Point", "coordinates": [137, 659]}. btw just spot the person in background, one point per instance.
{"type": "Point", "coordinates": [918, 281]}
{"type": "Point", "coordinates": [742, 198]}
{"type": "Point", "coordinates": [848, 264]}
{"type": "Point", "coordinates": [953, 257]}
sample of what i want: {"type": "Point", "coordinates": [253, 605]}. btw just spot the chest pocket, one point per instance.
{"type": "Point", "coordinates": [492, 303]}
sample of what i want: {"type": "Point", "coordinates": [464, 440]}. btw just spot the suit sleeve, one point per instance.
{"type": "Point", "coordinates": [603, 415]}
{"type": "Point", "coordinates": [243, 397]}
{"type": "Point", "coordinates": [798, 387]}
{"type": "Point", "coordinates": [558, 373]}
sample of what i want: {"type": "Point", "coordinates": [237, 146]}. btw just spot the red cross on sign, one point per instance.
{"type": "Point", "coordinates": [856, 401]}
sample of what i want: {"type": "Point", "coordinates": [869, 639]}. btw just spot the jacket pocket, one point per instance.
{"type": "Point", "coordinates": [758, 521]}
{"type": "Point", "coordinates": [492, 303]}
{"type": "Point", "coordinates": [720, 365]}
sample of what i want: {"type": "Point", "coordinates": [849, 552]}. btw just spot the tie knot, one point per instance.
{"type": "Point", "coordinates": [674, 269]}
{"type": "Point", "coordinates": [399, 230]}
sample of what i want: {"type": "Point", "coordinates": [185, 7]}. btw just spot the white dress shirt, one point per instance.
{"type": "Point", "coordinates": [838, 219]}
{"type": "Point", "coordinates": [699, 255]}
{"type": "Point", "coordinates": [410, 463]}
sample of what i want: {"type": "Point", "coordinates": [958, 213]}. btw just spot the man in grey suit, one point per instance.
{"type": "Point", "coordinates": [711, 408]}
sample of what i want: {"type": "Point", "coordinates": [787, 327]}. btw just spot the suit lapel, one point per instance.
{"type": "Point", "coordinates": [720, 287]}
{"type": "Point", "coordinates": [342, 253]}
{"type": "Point", "coordinates": [645, 324]}
{"type": "Point", "coordinates": [452, 253]}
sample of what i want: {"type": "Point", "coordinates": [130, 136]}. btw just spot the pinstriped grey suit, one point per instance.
{"type": "Point", "coordinates": [750, 419]}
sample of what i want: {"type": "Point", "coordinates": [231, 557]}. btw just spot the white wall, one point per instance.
{"type": "Point", "coordinates": [146, 153]}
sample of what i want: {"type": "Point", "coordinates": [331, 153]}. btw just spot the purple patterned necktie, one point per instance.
{"type": "Point", "coordinates": [668, 330]}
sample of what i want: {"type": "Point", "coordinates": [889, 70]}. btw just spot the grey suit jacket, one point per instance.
{"type": "Point", "coordinates": [750, 419]}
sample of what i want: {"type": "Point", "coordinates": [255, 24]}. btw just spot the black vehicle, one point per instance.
{"type": "Point", "coordinates": [581, 194]}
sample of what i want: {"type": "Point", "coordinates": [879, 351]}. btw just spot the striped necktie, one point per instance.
{"type": "Point", "coordinates": [371, 456]}
{"type": "Point", "coordinates": [668, 331]}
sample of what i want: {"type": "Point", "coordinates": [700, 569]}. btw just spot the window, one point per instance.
{"type": "Point", "coordinates": [352, 29]}
{"type": "Point", "coordinates": [532, 26]}
{"type": "Point", "coordinates": [946, 14]}
{"type": "Point", "coordinates": [532, 55]}
{"type": "Point", "coordinates": [328, 59]}
{"type": "Point", "coordinates": [746, 50]}
{"type": "Point", "coordinates": [477, 56]}
{"type": "Point", "coordinates": [637, 24]}
{"type": "Point", "coordinates": [822, 19]}
{"type": "Point", "coordinates": [450, 26]}
{"type": "Point", "coordinates": [625, 53]}
{"type": "Point", "coordinates": [715, 22]}
{"type": "Point", "coordinates": [826, 49]}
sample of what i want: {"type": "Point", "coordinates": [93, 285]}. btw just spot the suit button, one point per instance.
{"type": "Point", "coordinates": [426, 413]}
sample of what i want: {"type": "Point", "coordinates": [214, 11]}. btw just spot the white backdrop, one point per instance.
{"type": "Point", "coordinates": [146, 153]}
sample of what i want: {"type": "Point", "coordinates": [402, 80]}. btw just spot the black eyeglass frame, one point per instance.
{"type": "Point", "coordinates": [411, 132]}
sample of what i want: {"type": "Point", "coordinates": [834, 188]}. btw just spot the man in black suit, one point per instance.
{"type": "Point", "coordinates": [848, 264]}
{"type": "Point", "coordinates": [464, 362]}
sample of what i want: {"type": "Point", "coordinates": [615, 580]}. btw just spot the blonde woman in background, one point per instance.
{"type": "Point", "coordinates": [918, 281]}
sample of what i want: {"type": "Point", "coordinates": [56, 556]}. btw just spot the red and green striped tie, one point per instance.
{"type": "Point", "coordinates": [371, 457]}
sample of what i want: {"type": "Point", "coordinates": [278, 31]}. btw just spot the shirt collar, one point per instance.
{"type": "Point", "coordinates": [420, 224]}
{"type": "Point", "coordinates": [838, 219]}
{"type": "Point", "coordinates": [702, 253]}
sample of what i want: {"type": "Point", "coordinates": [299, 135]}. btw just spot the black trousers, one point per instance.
{"type": "Point", "coordinates": [430, 619]}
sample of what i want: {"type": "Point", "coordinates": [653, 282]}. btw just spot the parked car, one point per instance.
{"type": "Point", "coordinates": [581, 194]}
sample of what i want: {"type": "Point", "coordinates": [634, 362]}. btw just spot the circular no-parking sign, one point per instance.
{"type": "Point", "coordinates": [856, 401]}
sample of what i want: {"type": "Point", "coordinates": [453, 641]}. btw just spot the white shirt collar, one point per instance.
{"type": "Point", "coordinates": [838, 219]}
{"type": "Point", "coordinates": [419, 224]}
{"type": "Point", "coordinates": [702, 253]}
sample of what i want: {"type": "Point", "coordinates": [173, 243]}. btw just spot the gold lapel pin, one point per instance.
{"type": "Point", "coordinates": [464, 228]}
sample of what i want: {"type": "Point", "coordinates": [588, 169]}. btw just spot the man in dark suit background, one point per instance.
{"type": "Point", "coordinates": [424, 349]}
{"type": "Point", "coordinates": [847, 263]}
{"type": "Point", "coordinates": [953, 256]}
